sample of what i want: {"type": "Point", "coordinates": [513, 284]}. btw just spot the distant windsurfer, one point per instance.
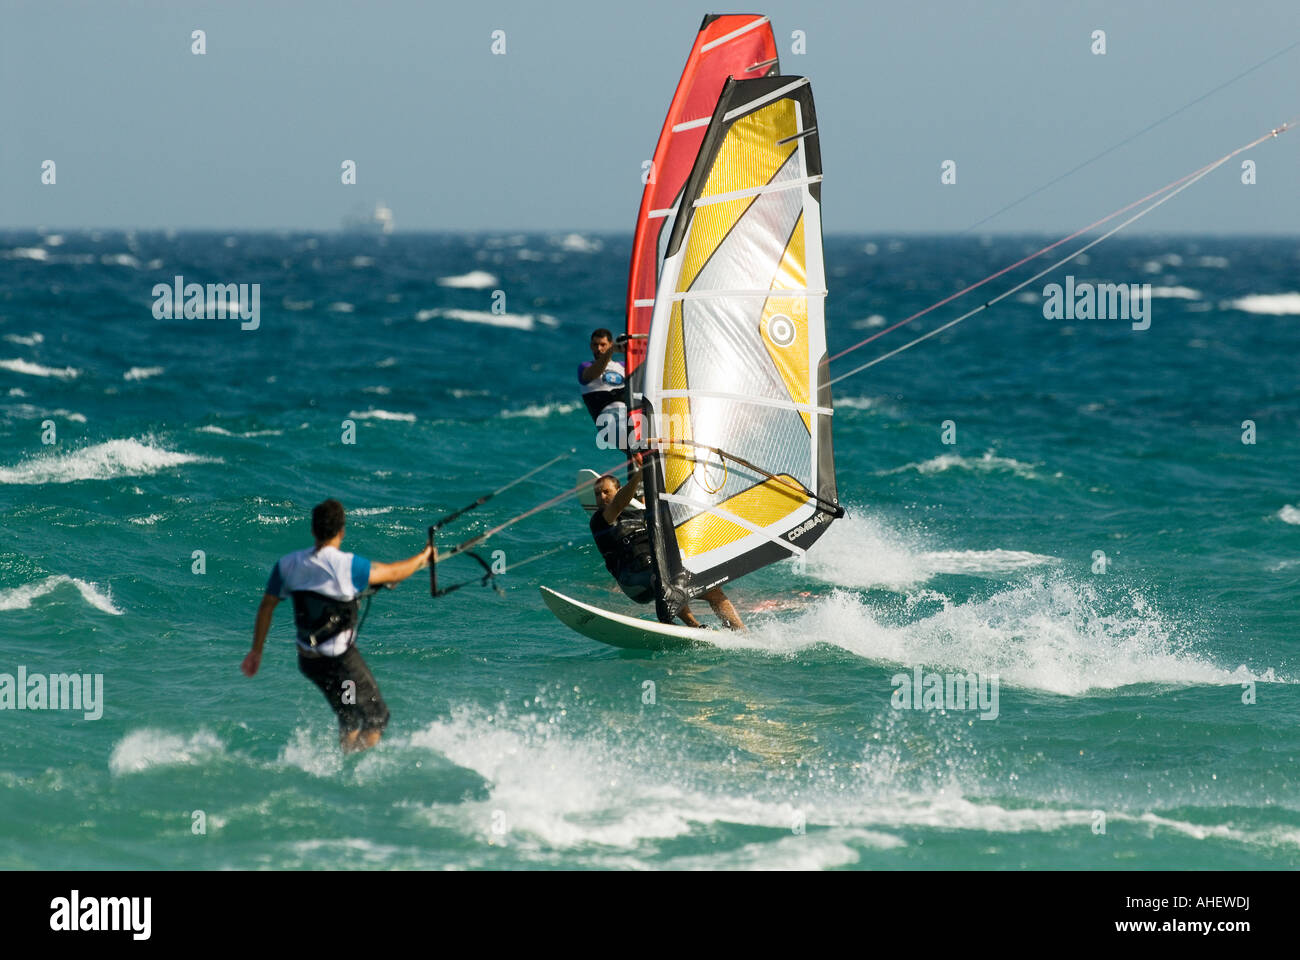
{"type": "Point", "coordinates": [602, 380]}
{"type": "Point", "coordinates": [624, 542]}
{"type": "Point", "coordinates": [324, 583]}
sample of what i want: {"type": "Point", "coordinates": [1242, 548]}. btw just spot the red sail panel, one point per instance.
{"type": "Point", "coordinates": [737, 45]}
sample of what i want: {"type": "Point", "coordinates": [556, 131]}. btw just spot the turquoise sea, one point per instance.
{"type": "Point", "coordinates": [1098, 537]}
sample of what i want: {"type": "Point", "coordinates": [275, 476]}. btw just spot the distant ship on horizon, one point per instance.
{"type": "Point", "coordinates": [379, 220]}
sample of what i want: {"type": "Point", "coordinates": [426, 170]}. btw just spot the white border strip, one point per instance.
{"type": "Point", "coordinates": [775, 294]}
{"type": "Point", "coordinates": [757, 191]}
{"type": "Point", "coordinates": [758, 401]}
{"type": "Point", "coordinates": [691, 124]}
{"type": "Point", "coordinates": [733, 34]}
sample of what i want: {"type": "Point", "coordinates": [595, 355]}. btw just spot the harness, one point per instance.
{"type": "Point", "coordinates": [625, 544]}
{"type": "Point", "coordinates": [320, 618]}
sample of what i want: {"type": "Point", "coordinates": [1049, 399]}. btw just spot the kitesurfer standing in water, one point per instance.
{"type": "Point", "coordinates": [324, 583]}
{"type": "Point", "coordinates": [624, 542]}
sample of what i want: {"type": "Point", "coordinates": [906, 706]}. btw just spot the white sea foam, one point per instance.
{"type": "Point", "coordinates": [148, 521]}
{"type": "Point", "coordinates": [142, 373]}
{"type": "Point", "coordinates": [1045, 633]}
{"type": "Point", "coordinates": [30, 411]}
{"type": "Point", "coordinates": [382, 415]}
{"type": "Point", "coordinates": [474, 280]}
{"type": "Point", "coordinates": [577, 243]}
{"type": "Point", "coordinates": [1218, 263]}
{"type": "Point", "coordinates": [145, 749]}
{"type": "Point", "coordinates": [20, 598]}
{"type": "Point", "coordinates": [223, 432]}
{"type": "Point", "coordinates": [858, 403]}
{"type": "Point", "coordinates": [987, 462]}
{"type": "Point", "coordinates": [516, 321]}
{"type": "Point", "coordinates": [1175, 293]}
{"type": "Point", "coordinates": [27, 253]}
{"type": "Point", "coordinates": [1289, 514]}
{"type": "Point", "coordinates": [340, 306]}
{"type": "Point", "coordinates": [119, 260]}
{"type": "Point", "coordinates": [866, 323]}
{"type": "Point", "coordinates": [554, 793]}
{"type": "Point", "coordinates": [100, 461]}
{"type": "Point", "coordinates": [862, 552]}
{"type": "Point", "coordinates": [28, 341]}
{"type": "Point", "coordinates": [561, 793]}
{"type": "Point", "coordinates": [37, 370]}
{"type": "Point", "coordinates": [537, 411]}
{"type": "Point", "coordinates": [1274, 304]}
{"type": "Point", "coordinates": [312, 754]}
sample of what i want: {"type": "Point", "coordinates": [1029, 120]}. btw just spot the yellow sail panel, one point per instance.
{"type": "Point", "coordinates": [783, 323]}
{"type": "Point", "coordinates": [707, 531]}
{"type": "Point", "coordinates": [749, 157]}
{"type": "Point", "coordinates": [762, 505]}
{"type": "Point", "coordinates": [675, 352]}
{"type": "Point", "coordinates": [783, 326]}
{"type": "Point", "coordinates": [792, 272]}
{"type": "Point", "coordinates": [675, 414]}
{"type": "Point", "coordinates": [751, 153]}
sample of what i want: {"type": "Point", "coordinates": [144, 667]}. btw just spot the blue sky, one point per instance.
{"type": "Point", "coordinates": [551, 135]}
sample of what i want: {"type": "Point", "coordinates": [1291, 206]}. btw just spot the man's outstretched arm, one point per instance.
{"type": "Point", "coordinates": [260, 629]}
{"type": "Point", "coordinates": [397, 572]}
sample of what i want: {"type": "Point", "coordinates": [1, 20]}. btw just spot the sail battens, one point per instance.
{"type": "Point", "coordinates": [811, 131]}
{"type": "Point", "coordinates": [758, 191]}
{"type": "Point", "coordinates": [778, 293]}
{"type": "Point", "coordinates": [742, 398]}
{"type": "Point", "coordinates": [691, 124]}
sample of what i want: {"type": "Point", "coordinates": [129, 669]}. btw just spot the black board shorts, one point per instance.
{"type": "Point", "coordinates": [367, 710]}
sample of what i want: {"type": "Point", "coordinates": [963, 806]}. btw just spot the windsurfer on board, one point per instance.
{"type": "Point", "coordinates": [602, 379]}
{"type": "Point", "coordinates": [624, 542]}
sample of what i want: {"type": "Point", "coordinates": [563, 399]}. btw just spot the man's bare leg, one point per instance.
{"type": "Point", "coordinates": [687, 617]}
{"type": "Point", "coordinates": [723, 608]}
{"type": "Point", "coordinates": [354, 741]}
